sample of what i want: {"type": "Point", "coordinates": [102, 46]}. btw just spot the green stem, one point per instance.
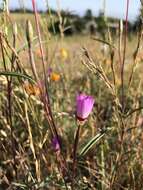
{"type": "Point", "coordinates": [76, 141]}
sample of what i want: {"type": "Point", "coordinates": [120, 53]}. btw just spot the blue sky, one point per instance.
{"type": "Point", "coordinates": [114, 8]}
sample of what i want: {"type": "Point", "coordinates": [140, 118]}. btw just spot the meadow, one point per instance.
{"type": "Point", "coordinates": [70, 107]}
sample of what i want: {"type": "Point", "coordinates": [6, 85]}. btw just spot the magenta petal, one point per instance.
{"type": "Point", "coordinates": [84, 105]}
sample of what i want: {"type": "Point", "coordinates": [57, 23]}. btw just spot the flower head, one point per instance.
{"type": "Point", "coordinates": [55, 76]}
{"type": "Point", "coordinates": [49, 71]}
{"type": "Point", "coordinates": [84, 105]}
{"type": "Point", "coordinates": [55, 144]}
{"type": "Point", "coordinates": [31, 89]}
{"type": "Point", "coordinates": [63, 53]}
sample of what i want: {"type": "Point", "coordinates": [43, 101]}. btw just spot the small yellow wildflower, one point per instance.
{"type": "Point", "coordinates": [55, 77]}
{"type": "Point", "coordinates": [63, 53]}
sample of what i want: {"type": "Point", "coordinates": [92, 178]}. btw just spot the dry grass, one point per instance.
{"type": "Point", "coordinates": [28, 160]}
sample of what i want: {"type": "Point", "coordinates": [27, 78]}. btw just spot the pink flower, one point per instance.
{"type": "Point", "coordinates": [84, 105]}
{"type": "Point", "coordinates": [55, 144]}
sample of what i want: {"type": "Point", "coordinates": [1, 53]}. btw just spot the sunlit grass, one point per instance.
{"type": "Point", "coordinates": [106, 151]}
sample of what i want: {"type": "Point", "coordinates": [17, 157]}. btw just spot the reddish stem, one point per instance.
{"type": "Point", "coordinates": [39, 37]}
{"type": "Point", "coordinates": [75, 153]}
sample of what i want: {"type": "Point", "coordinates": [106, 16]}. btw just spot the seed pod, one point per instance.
{"type": "Point", "coordinates": [121, 26]}
{"type": "Point", "coordinates": [6, 30]}
{"type": "Point", "coordinates": [29, 31]}
{"type": "Point", "coordinates": [15, 29]}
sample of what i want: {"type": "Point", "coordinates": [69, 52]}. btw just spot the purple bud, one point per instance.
{"type": "Point", "coordinates": [84, 105]}
{"type": "Point", "coordinates": [49, 71]}
{"type": "Point", "coordinates": [55, 144]}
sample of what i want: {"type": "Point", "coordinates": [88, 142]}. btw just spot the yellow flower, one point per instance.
{"type": "Point", "coordinates": [31, 89]}
{"type": "Point", "coordinates": [63, 53]}
{"type": "Point", "coordinates": [55, 77]}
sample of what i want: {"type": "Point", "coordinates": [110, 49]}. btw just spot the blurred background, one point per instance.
{"type": "Point", "coordinates": [112, 7]}
{"type": "Point", "coordinates": [83, 16]}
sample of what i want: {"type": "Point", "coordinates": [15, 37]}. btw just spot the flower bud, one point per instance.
{"type": "Point", "coordinates": [29, 31]}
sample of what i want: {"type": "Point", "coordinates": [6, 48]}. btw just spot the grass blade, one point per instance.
{"type": "Point", "coordinates": [14, 74]}
{"type": "Point", "coordinates": [92, 142]}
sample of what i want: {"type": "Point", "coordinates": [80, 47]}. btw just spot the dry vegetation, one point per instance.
{"type": "Point", "coordinates": [38, 106]}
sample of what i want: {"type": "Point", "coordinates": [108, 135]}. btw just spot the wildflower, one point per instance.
{"type": "Point", "coordinates": [84, 105]}
{"type": "Point", "coordinates": [55, 77]}
{"type": "Point", "coordinates": [31, 89]}
{"type": "Point", "coordinates": [63, 53]}
{"type": "Point", "coordinates": [49, 71]}
{"type": "Point", "coordinates": [55, 144]}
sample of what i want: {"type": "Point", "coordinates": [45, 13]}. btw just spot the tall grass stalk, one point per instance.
{"type": "Point", "coordinates": [124, 53]}
{"type": "Point", "coordinates": [46, 99]}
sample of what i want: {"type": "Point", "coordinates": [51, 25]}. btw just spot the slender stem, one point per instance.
{"type": "Point", "coordinates": [9, 107]}
{"type": "Point", "coordinates": [124, 54]}
{"type": "Point", "coordinates": [75, 152]}
{"type": "Point", "coordinates": [46, 99]}
{"type": "Point", "coordinates": [32, 61]}
{"type": "Point", "coordinates": [135, 56]}
{"type": "Point", "coordinates": [120, 42]}
{"type": "Point", "coordinates": [39, 38]}
{"type": "Point", "coordinates": [2, 51]}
